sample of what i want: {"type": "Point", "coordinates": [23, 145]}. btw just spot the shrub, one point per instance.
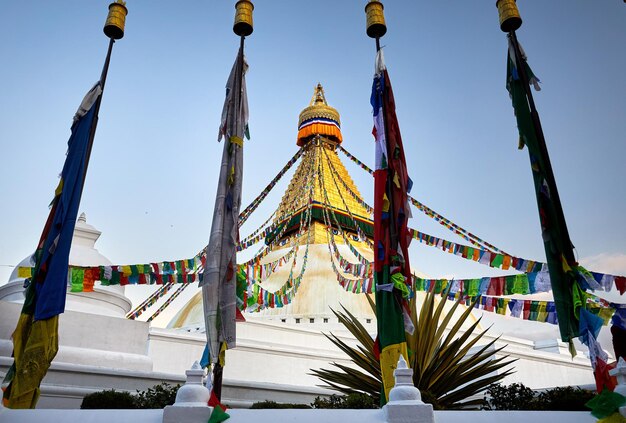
{"type": "Point", "coordinates": [273, 404]}
{"type": "Point", "coordinates": [512, 397]}
{"type": "Point", "coordinates": [110, 399]}
{"type": "Point", "coordinates": [351, 401]}
{"type": "Point", "coordinates": [520, 397]}
{"type": "Point", "coordinates": [158, 396]}
{"type": "Point", "coordinates": [567, 398]}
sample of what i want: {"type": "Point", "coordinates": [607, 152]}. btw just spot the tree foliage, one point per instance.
{"type": "Point", "coordinates": [156, 397]}
{"type": "Point", "coordinates": [519, 397]}
{"type": "Point", "coordinates": [108, 399]}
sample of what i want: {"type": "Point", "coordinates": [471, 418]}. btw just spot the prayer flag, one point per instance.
{"type": "Point", "coordinates": [557, 244]}
{"type": "Point", "coordinates": [391, 234]}
{"type": "Point", "coordinates": [35, 340]}
{"type": "Point", "coordinates": [219, 283]}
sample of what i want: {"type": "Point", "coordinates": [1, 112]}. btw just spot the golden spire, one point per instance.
{"type": "Point", "coordinates": [319, 119]}
{"type": "Point", "coordinates": [333, 187]}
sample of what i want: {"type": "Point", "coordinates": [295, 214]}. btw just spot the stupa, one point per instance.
{"type": "Point", "coordinates": [315, 246]}
{"type": "Point", "coordinates": [320, 194]}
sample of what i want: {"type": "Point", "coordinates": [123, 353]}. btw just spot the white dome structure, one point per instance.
{"type": "Point", "coordinates": [107, 301]}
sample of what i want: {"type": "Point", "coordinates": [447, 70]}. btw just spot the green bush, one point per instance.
{"type": "Point", "coordinates": [520, 397]}
{"type": "Point", "coordinates": [273, 404]}
{"type": "Point", "coordinates": [351, 401]}
{"type": "Point", "coordinates": [565, 398]}
{"type": "Point", "coordinates": [110, 399]}
{"type": "Point", "coordinates": [158, 396]}
{"type": "Point", "coordinates": [512, 397]}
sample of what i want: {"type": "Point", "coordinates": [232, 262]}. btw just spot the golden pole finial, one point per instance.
{"type": "Point", "coordinates": [376, 26]}
{"type": "Point", "coordinates": [114, 25]}
{"type": "Point", "coordinates": [243, 18]}
{"type": "Point", "coordinates": [510, 19]}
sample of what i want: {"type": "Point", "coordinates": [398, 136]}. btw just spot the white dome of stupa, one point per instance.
{"type": "Point", "coordinates": [109, 300]}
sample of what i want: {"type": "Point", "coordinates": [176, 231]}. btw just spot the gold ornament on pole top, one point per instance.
{"type": "Point", "coordinates": [114, 25]}
{"type": "Point", "coordinates": [376, 26]}
{"type": "Point", "coordinates": [243, 18]}
{"type": "Point", "coordinates": [510, 19]}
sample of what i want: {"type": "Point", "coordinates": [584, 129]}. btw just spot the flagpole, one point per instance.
{"type": "Point", "coordinates": [557, 243]}
{"type": "Point", "coordinates": [242, 27]}
{"type": "Point", "coordinates": [94, 125]}
{"type": "Point", "coordinates": [376, 28]}
{"type": "Point", "coordinates": [391, 259]}
{"type": "Point", "coordinates": [550, 179]}
{"type": "Point", "coordinates": [114, 29]}
{"type": "Point", "coordinates": [510, 21]}
{"type": "Point", "coordinates": [37, 327]}
{"type": "Point", "coordinates": [218, 368]}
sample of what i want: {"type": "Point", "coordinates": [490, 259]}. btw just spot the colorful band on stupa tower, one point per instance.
{"type": "Point", "coordinates": [319, 119]}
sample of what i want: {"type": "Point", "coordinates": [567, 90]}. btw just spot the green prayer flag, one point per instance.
{"type": "Point", "coordinates": [497, 261]}
{"type": "Point", "coordinates": [473, 287]}
{"type": "Point", "coordinates": [557, 244]}
{"type": "Point", "coordinates": [605, 404]}
{"type": "Point", "coordinates": [76, 278]}
{"type": "Point", "coordinates": [218, 415]}
{"type": "Point", "coordinates": [509, 284]}
{"type": "Point", "coordinates": [521, 284]}
{"type": "Point", "coordinates": [115, 277]}
{"type": "Point", "coordinates": [103, 280]}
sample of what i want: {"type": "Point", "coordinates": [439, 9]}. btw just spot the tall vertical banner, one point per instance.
{"type": "Point", "coordinates": [392, 271]}
{"type": "Point", "coordinates": [220, 280]}
{"type": "Point", "coordinates": [557, 245]}
{"type": "Point", "coordinates": [35, 340]}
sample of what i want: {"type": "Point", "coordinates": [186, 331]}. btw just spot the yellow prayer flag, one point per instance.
{"type": "Point", "coordinates": [24, 272]}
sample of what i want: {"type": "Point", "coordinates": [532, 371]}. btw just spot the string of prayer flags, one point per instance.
{"type": "Point", "coordinates": [467, 235]}
{"type": "Point", "coordinates": [336, 176]}
{"type": "Point", "coordinates": [83, 278]}
{"type": "Point", "coordinates": [244, 215]}
{"type": "Point", "coordinates": [281, 223]}
{"type": "Point", "coordinates": [523, 284]}
{"type": "Point", "coordinates": [588, 280]}
{"type": "Point", "coordinates": [254, 237]}
{"type": "Point", "coordinates": [255, 297]}
{"type": "Point", "coordinates": [486, 257]}
{"type": "Point", "coordinates": [150, 301]}
{"type": "Point", "coordinates": [168, 302]}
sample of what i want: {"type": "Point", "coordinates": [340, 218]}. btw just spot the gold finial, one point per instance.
{"type": "Point", "coordinates": [318, 96]}
{"type": "Point", "coordinates": [243, 18]}
{"type": "Point", "coordinates": [114, 25]}
{"type": "Point", "coordinates": [376, 26]}
{"type": "Point", "coordinates": [510, 19]}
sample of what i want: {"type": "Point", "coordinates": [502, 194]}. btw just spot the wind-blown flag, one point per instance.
{"type": "Point", "coordinates": [558, 247]}
{"type": "Point", "coordinates": [391, 235]}
{"type": "Point", "coordinates": [219, 285]}
{"type": "Point", "coordinates": [35, 340]}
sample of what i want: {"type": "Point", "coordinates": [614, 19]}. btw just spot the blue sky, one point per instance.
{"type": "Point", "coordinates": [154, 165]}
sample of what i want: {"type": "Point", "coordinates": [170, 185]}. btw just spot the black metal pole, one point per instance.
{"type": "Point", "coordinates": [550, 180]}
{"type": "Point", "coordinates": [217, 380]}
{"type": "Point", "coordinates": [94, 124]}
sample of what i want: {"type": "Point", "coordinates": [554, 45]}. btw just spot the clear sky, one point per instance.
{"type": "Point", "coordinates": [154, 167]}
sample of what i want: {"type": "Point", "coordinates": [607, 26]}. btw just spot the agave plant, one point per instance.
{"type": "Point", "coordinates": [447, 373]}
